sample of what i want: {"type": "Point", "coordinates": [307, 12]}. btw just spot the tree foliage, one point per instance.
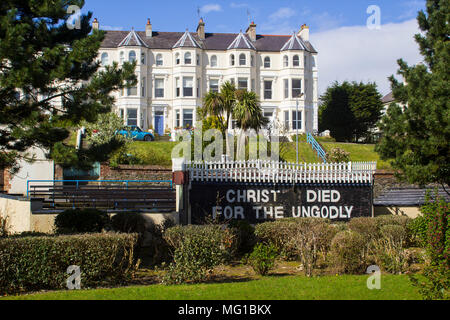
{"type": "Point", "coordinates": [50, 81]}
{"type": "Point", "coordinates": [416, 134]}
{"type": "Point", "coordinates": [350, 110]}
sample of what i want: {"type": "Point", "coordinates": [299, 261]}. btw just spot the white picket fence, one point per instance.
{"type": "Point", "coordinates": [257, 171]}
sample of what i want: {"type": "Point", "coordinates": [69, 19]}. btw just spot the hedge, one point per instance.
{"type": "Point", "coordinates": [40, 263]}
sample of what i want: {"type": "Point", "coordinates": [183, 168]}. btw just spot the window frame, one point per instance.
{"type": "Point", "coordinates": [242, 59]}
{"type": "Point", "coordinates": [188, 91]}
{"type": "Point", "coordinates": [267, 62]}
{"type": "Point", "coordinates": [159, 92]}
{"type": "Point", "coordinates": [104, 59]}
{"type": "Point", "coordinates": [188, 58]}
{"type": "Point", "coordinates": [130, 59]}
{"type": "Point", "coordinates": [159, 62]}
{"type": "Point", "coordinates": [296, 61]}
{"type": "Point", "coordinates": [295, 89]}
{"type": "Point", "coordinates": [213, 62]}
{"type": "Point", "coordinates": [268, 93]}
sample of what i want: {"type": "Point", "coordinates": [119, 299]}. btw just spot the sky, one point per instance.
{"type": "Point", "coordinates": [348, 48]}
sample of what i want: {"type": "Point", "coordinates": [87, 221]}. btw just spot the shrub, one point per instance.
{"type": "Point", "coordinates": [436, 281]}
{"type": "Point", "coordinates": [129, 222]}
{"type": "Point", "coordinates": [81, 221]}
{"type": "Point", "coordinates": [347, 253]}
{"type": "Point", "coordinates": [159, 248]}
{"type": "Point", "coordinates": [338, 155]}
{"type": "Point", "coordinates": [392, 220]}
{"type": "Point", "coordinates": [3, 227]}
{"type": "Point", "coordinates": [389, 250]}
{"type": "Point", "coordinates": [197, 250]}
{"type": "Point", "coordinates": [40, 263]}
{"type": "Point", "coordinates": [417, 229]}
{"type": "Point", "coordinates": [246, 238]}
{"type": "Point", "coordinates": [262, 259]}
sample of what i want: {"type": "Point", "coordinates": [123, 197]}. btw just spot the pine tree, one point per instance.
{"type": "Point", "coordinates": [416, 136]}
{"type": "Point", "coordinates": [50, 81]}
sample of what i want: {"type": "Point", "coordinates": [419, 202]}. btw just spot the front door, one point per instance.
{"type": "Point", "coordinates": [159, 124]}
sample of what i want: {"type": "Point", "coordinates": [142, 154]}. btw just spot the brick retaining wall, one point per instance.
{"type": "Point", "coordinates": [128, 172]}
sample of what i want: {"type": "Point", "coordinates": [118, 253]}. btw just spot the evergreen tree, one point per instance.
{"type": "Point", "coordinates": [350, 110]}
{"type": "Point", "coordinates": [50, 81]}
{"type": "Point", "coordinates": [416, 136]}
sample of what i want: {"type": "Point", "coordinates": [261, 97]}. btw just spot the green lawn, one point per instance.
{"type": "Point", "coordinates": [267, 288]}
{"type": "Point", "coordinates": [159, 152]}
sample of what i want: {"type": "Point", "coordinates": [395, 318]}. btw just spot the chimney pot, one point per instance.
{"type": "Point", "coordinates": [304, 32]}
{"type": "Point", "coordinates": [201, 29]}
{"type": "Point", "coordinates": [148, 29]}
{"type": "Point", "coordinates": [95, 24]}
{"type": "Point", "coordinates": [251, 31]}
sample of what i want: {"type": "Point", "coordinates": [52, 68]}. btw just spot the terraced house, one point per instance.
{"type": "Point", "coordinates": [176, 69]}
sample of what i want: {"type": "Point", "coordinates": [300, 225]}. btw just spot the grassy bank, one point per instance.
{"type": "Point", "coordinates": [267, 288]}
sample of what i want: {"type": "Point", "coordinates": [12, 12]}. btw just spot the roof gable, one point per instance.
{"type": "Point", "coordinates": [294, 43]}
{"type": "Point", "coordinates": [187, 41]}
{"type": "Point", "coordinates": [132, 39]}
{"type": "Point", "coordinates": [241, 42]}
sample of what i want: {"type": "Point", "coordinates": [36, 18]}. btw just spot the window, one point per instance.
{"type": "Point", "coordinates": [243, 84]}
{"type": "Point", "coordinates": [232, 81]}
{"type": "Point", "coordinates": [267, 90]}
{"type": "Point", "coordinates": [286, 120]}
{"type": "Point", "coordinates": [252, 60]}
{"type": "Point", "coordinates": [266, 62]}
{"type": "Point", "coordinates": [198, 59]}
{"type": "Point", "coordinates": [296, 88]}
{"type": "Point", "coordinates": [122, 57]}
{"type": "Point", "coordinates": [121, 114]}
{"type": "Point", "coordinates": [268, 115]}
{"type": "Point", "coordinates": [105, 59]}
{"type": "Point", "coordinates": [188, 118]}
{"type": "Point", "coordinates": [177, 58]}
{"type": "Point", "coordinates": [159, 60]}
{"type": "Point", "coordinates": [296, 61]}
{"type": "Point", "coordinates": [253, 85]}
{"type": "Point", "coordinates": [132, 56]}
{"type": "Point", "coordinates": [143, 58]}
{"type": "Point", "coordinates": [232, 60]}
{"type": "Point", "coordinates": [214, 86]}
{"type": "Point", "coordinates": [242, 60]}
{"type": "Point", "coordinates": [286, 61]}
{"type": "Point", "coordinates": [177, 118]}
{"type": "Point", "coordinates": [132, 117]}
{"type": "Point", "coordinates": [188, 85]}
{"type": "Point", "coordinates": [143, 85]}
{"type": "Point", "coordinates": [214, 61]}
{"type": "Point", "coordinates": [296, 120]}
{"type": "Point", "coordinates": [305, 63]}
{"type": "Point", "coordinates": [132, 91]}
{"type": "Point", "coordinates": [159, 88]}
{"type": "Point", "coordinates": [198, 87]}
{"type": "Point", "coordinates": [177, 86]}
{"type": "Point", "coordinates": [187, 58]}
{"type": "Point", "coordinates": [286, 88]}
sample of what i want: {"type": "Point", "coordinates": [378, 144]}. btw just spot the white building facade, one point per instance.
{"type": "Point", "coordinates": [175, 70]}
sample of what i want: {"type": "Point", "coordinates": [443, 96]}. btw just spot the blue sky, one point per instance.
{"type": "Point", "coordinates": [348, 50]}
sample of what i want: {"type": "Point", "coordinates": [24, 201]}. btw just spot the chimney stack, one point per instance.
{"type": "Point", "coordinates": [201, 29]}
{"type": "Point", "coordinates": [95, 24]}
{"type": "Point", "coordinates": [148, 29]}
{"type": "Point", "coordinates": [251, 31]}
{"type": "Point", "coordinates": [304, 32]}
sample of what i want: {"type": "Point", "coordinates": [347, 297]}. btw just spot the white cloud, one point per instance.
{"type": "Point", "coordinates": [210, 8]}
{"type": "Point", "coordinates": [282, 13]}
{"type": "Point", "coordinates": [110, 28]}
{"type": "Point", "coordinates": [238, 5]}
{"type": "Point", "coordinates": [359, 54]}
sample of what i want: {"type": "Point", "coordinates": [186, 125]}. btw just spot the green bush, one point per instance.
{"type": "Point", "coordinates": [129, 222]}
{"type": "Point", "coordinates": [246, 238]}
{"type": "Point", "coordinates": [417, 229]}
{"type": "Point", "coordinates": [338, 155]}
{"type": "Point", "coordinates": [3, 227]}
{"type": "Point", "coordinates": [197, 250]}
{"type": "Point", "coordinates": [389, 250]}
{"type": "Point", "coordinates": [262, 259]}
{"type": "Point", "coordinates": [76, 221]}
{"type": "Point", "coordinates": [347, 253]}
{"type": "Point", "coordinates": [40, 263]}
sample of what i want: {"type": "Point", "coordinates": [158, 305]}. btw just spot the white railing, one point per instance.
{"type": "Point", "coordinates": [258, 171]}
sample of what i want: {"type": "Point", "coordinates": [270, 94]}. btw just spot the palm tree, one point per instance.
{"type": "Point", "coordinates": [247, 112]}
{"type": "Point", "coordinates": [221, 104]}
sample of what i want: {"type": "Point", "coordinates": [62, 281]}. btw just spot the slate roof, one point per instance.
{"type": "Point", "coordinates": [409, 197]}
{"type": "Point", "coordinates": [133, 40]}
{"type": "Point", "coordinates": [213, 41]}
{"type": "Point", "coordinates": [187, 41]}
{"type": "Point", "coordinates": [294, 43]}
{"type": "Point", "coordinates": [388, 98]}
{"type": "Point", "coordinates": [241, 42]}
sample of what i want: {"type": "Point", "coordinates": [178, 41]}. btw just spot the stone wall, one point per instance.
{"type": "Point", "coordinates": [126, 172]}
{"type": "Point", "coordinates": [385, 180]}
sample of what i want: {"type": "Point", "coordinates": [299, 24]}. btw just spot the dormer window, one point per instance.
{"type": "Point", "coordinates": [242, 60]}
